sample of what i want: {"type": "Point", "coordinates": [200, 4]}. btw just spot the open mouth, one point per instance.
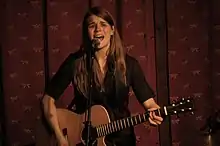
{"type": "Point", "coordinates": [100, 38]}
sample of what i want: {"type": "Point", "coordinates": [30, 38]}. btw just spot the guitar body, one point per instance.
{"type": "Point", "coordinates": [74, 124]}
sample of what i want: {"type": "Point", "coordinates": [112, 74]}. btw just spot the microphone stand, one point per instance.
{"type": "Point", "coordinates": [88, 125]}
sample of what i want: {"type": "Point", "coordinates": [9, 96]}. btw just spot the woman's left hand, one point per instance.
{"type": "Point", "coordinates": [152, 106]}
{"type": "Point", "coordinates": [154, 119]}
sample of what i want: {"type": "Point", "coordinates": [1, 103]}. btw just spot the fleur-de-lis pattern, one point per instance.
{"type": "Point", "coordinates": [23, 71]}
{"type": "Point", "coordinates": [138, 38]}
{"type": "Point", "coordinates": [193, 62]}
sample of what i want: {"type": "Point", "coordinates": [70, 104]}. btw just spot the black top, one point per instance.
{"type": "Point", "coordinates": [115, 101]}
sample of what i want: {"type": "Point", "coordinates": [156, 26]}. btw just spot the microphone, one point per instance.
{"type": "Point", "coordinates": [95, 43]}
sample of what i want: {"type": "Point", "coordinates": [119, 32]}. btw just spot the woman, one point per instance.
{"type": "Point", "coordinates": [113, 73]}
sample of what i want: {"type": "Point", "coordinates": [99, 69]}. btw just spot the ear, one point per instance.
{"type": "Point", "coordinates": [113, 30]}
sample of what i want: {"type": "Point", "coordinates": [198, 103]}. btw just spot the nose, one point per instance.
{"type": "Point", "coordinates": [98, 27]}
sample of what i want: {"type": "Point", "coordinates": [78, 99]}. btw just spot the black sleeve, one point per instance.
{"type": "Point", "coordinates": [61, 79]}
{"type": "Point", "coordinates": [141, 88]}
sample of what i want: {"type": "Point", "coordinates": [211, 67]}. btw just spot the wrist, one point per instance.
{"type": "Point", "coordinates": [150, 103]}
{"type": "Point", "coordinates": [58, 134]}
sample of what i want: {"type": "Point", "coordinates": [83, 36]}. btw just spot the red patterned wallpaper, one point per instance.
{"type": "Point", "coordinates": [138, 37]}
{"type": "Point", "coordinates": [193, 62]}
{"type": "Point", "coordinates": [192, 65]}
{"type": "Point", "coordinates": [23, 69]}
{"type": "Point", "coordinates": [64, 34]}
{"type": "Point", "coordinates": [215, 52]}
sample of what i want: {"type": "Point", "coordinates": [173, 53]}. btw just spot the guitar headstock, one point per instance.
{"type": "Point", "coordinates": [181, 106]}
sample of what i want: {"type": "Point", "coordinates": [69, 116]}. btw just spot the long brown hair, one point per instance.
{"type": "Point", "coordinates": [116, 49]}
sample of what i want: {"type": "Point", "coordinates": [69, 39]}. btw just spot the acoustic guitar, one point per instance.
{"type": "Point", "coordinates": [73, 125]}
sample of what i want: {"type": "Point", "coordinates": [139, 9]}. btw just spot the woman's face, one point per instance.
{"type": "Point", "coordinates": [100, 29]}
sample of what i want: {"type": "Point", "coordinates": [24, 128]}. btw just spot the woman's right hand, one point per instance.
{"type": "Point", "coordinates": [62, 141]}
{"type": "Point", "coordinates": [51, 116]}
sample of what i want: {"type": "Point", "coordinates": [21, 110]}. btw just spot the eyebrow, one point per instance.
{"type": "Point", "coordinates": [92, 22]}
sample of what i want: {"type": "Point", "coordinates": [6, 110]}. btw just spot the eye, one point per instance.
{"type": "Point", "coordinates": [104, 24]}
{"type": "Point", "coordinates": [91, 25]}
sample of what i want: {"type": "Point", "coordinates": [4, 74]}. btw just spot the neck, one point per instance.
{"type": "Point", "coordinates": [102, 53]}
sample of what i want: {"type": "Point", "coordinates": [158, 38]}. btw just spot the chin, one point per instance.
{"type": "Point", "coordinates": [99, 48]}
{"type": "Point", "coordinates": [103, 46]}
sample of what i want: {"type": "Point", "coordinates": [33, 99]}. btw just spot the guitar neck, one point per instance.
{"type": "Point", "coordinates": [121, 124]}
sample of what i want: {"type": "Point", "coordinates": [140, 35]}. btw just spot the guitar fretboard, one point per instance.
{"type": "Point", "coordinates": [118, 125]}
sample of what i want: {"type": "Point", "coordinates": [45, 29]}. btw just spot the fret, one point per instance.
{"type": "Point", "coordinates": [139, 116]}
{"type": "Point", "coordinates": [121, 124]}
{"type": "Point", "coordinates": [144, 117]}
{"type": "Point", "coordinates": [103, 130]}
{"type": "Point", "coordinates": [131, 121]}
{"type": "Point", "coordinates": [135, 118]}
{"type": "Point", "coordinates": [128, 122]}
{"type": "Point", "coordinates": [138, 120]}
{"type": "Point", "coordinates": [100, 130]}
{"type": "Point", "coordinates": [97, 130]}
{"type": "Point", "coordinates": [115, 126]}
{"type": "Point", "coordinates": [141, 119]}
{"type": "Point", "coordinates": [104, 127]}
{"type": "Point", "coordinates": [118, 124]}
{"type": "Point", "coordinates": [108, 128]}
{"type": "Point", "coordinates": [124, 123]}
{"type": "Point", "coordinates": [112, 127]}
